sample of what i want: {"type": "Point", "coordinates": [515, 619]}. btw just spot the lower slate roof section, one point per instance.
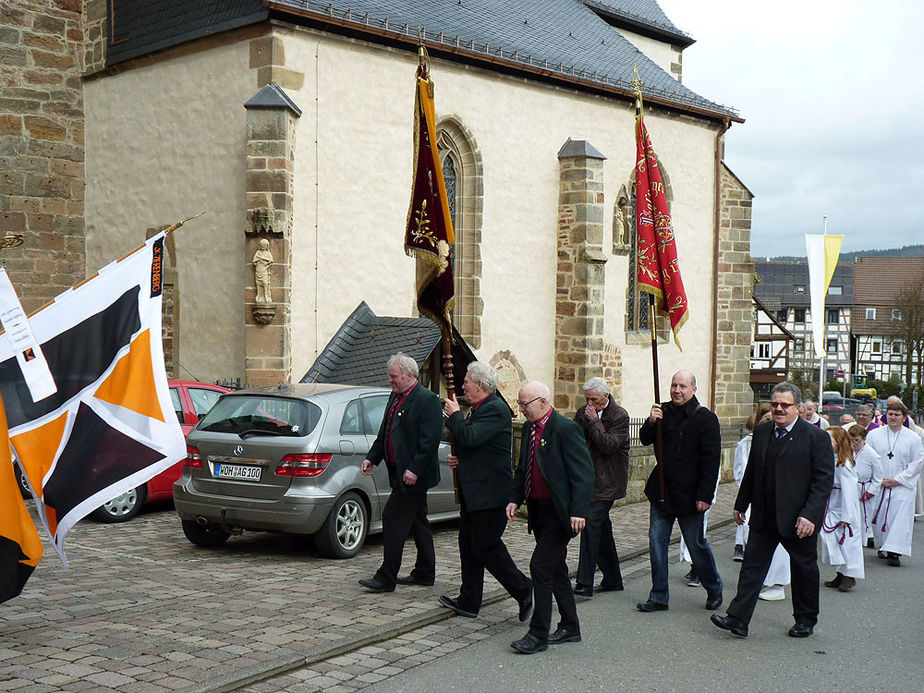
{"type": "Point", "coordinates": [139, 27]}
{"type": "Point", "coordinates": [358, 352]}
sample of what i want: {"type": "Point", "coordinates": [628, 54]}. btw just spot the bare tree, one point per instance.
{"type": "Point", "coordinates": [910, 302]}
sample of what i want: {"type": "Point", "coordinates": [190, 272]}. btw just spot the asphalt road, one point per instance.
{"type": "Point", "coordinates": [868, 639]}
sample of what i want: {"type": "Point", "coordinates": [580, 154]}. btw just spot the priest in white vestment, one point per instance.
{"type": "Point", "coordinates": [901, 454]}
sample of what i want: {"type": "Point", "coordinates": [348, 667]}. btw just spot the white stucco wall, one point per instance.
{"type": "Point", "coordinates": [658, 51]}
{"type": "Point", "coordinates": [163, 142]}
{"type": "Point", "coordinates": [362, 162]}
{"type": "Point", "coordinates": [167, 140]}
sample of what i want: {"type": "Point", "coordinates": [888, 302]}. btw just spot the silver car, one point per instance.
{"type": "Point", "coordinates": [287, 459]}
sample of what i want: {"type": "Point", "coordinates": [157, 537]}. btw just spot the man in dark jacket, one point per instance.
{"type": "Point", "coordinates": [482, 443]}
{"type": "Point", "coordinates": [408, 441]}
{"type": "Point", "coordinates": [606, 428]}
{"type": "Point", "coordinates": [555, 477]}
{"type": "Point", "coordinates": [691, 456]}
{"type": "Point", "coordinates": [787, 484]}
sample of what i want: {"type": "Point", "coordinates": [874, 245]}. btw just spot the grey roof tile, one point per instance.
{"type": "Point", "coordinates": [562, 37]}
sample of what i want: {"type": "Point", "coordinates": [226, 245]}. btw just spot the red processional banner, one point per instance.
{"type": "Point", "coordinates": [429, 235]}
{"type": "Point", "coordinates": [657, 268]}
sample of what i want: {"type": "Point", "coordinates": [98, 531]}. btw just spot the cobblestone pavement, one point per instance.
{"type": "Point", "coordinates": [142, 609]}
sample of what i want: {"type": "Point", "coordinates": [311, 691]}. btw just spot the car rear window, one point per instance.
{"type": "Point", "coordinates": [255, 415]}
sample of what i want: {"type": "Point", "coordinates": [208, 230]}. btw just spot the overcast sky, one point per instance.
{"type": "Point", "coordinates": [832, 95]}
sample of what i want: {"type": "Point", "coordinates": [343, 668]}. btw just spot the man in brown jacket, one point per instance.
{"type": "Point", "coordinates": [606, 428]}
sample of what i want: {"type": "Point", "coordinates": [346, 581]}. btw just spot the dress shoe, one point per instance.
{"type": "Point", "coordinates": [453, 604]}
{"type": "Point", "coordinates": [526, 607]}
{"type": "Point", "coordinates": [739, 553]}
{"type": "Point", "coordinates": [835, 582]}
{"type": "Point", "coordinates": [414, 580]}
{"type": "Point", "coordinates": [893, 559]}
{"type": "Point", "coordinates": [871, 543]}
{"type": "Point", "coordinates": [373, 584]}
{"type": "Point", "coordinates": [583, 591]}
{"type": "Point", "coordinates": [731, 624]}
{"type": "Point", "coordinates": [609, 587]}
{"type": "Point", "coordinates": [801, 630]}
{"type": "Point", "coordinates": [649, 606]}
{"type": "Point", "coordinates": [564, 635]}
{"type": "Point", "coordinates": [846, 584]}
{"type": "Point", "coordinates": [530, 644]}
{"type": "Point", "coordinates": [713, 603]}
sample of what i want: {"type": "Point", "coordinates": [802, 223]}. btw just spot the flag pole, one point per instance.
{"type": "Point", "coordinates": [652, 310]}
{"type": "Point", "coordinates": [822, 318]}
{"type": "Point", "coordinates": [167, 231]}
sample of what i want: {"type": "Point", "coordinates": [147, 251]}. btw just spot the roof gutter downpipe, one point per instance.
{"type": "Point", "coordinates": [715, 256]}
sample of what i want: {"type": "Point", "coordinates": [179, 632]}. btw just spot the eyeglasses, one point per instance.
{"type": "Point", "coordinates": [782, 405]}
{"type": "Point", "coordinates": [523, 405]}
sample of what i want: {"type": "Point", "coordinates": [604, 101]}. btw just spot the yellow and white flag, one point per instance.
{"type": "Point", "coordinates": [823, 253]}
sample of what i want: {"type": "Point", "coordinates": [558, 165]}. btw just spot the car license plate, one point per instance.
{"type": "Point", "coordinates": [236, 471]}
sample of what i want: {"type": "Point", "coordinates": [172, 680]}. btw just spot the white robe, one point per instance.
{"type": "Point", "coordinates": [869, 476]}
{"type": "Point", "coordinates": [779, 571]}
{"type": "Point", "coordinates": [919, 499]}
{"type": "Point", "coordinates": [893, 520]}
{"type": "Point", "coordinates": [742, 452]}
{"type": "Point", "coordinates": [841, 535]}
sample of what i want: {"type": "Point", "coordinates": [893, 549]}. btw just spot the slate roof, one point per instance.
{"type": "Point", "coordinates": [878, 282]}
{"type": "Point", "coordinates": [643, 16]}
{"type": "Point", "coordinates": [558, 40]}
{"type": "Point", "coordinates": [778, 282]}
{"type": "Point", "coordinates": [358, 352]}
{"type": "Point", "coordinates": [139, 27]}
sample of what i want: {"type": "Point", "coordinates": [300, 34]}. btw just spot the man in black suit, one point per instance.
{"type": "Point", "coordinates": [408, 441]}
{"type": "Point", "coordinates": [787, 483]}
{"type": "Point", "coordinates": [556, 479]}
{"type": "Point", "coordinates": [482, 444]}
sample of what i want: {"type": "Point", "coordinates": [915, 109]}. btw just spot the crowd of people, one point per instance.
{"type": "Point", "coordinates": [800, 479]}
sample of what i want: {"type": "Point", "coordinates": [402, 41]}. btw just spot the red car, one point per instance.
{"type": "Point", "coordinates": [191, 399]}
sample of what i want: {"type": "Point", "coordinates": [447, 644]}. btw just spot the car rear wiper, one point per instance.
{"type": "Point", "coordinates": [261, 432]}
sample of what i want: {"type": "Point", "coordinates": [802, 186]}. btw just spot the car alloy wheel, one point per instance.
{"type": "Point", "coordinates": [123, 507]}
{"type": "Point", "coordinates": [344, 531]}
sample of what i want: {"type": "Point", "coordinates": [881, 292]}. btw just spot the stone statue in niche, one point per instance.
{"type": "Point", "coordinates": [620, 235]}
{"type": "Point", "coordinates": [263, 273]}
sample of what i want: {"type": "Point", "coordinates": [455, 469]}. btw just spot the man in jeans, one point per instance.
{"type": "Point", "coordinates": [690, 458]}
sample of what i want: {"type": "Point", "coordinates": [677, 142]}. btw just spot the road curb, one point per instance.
{"type": "Point", "coordinates": [260, 672]}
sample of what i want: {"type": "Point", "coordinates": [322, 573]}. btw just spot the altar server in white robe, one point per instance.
{"type": "Point", "coordinates": [869, 477]}
{"type": "Point", "coordinates": [841, 538]}
{"type": "Point", "coordinates": [902, 456]}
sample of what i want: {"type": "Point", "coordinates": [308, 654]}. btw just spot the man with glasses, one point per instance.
{"type": "Point", "coordinates": [555, 478]}
{"type": "Point", "coordinates": [866, 419]}
{"type": "Point", "coordinates": [689, 457]}
{"type": "Point", "coordinates": [787, 483]}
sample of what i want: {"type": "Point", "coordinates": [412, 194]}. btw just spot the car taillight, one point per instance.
{"type": "Point", "coordinates": [193, 459]}
{"type": "Point", "coordinates": [303, 465]}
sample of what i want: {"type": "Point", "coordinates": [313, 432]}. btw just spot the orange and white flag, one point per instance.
{"type": "Point", "coordinates": [110, 426]}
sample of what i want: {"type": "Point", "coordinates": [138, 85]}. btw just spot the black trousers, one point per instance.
{"type": "Point", "coordinates": [480, 548]}
{"type": "Point", "coordinates": [548, 568]}
{"type": "Point", "coordinates": [598, 548]}
{"type": "Point", "coordinates": [803, 561]}
{"type": "Point", "coordinates": [405, 515]}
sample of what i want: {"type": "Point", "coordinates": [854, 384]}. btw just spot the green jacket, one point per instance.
{"type": "Point", "coordinates": [483, 448]}
{"type": "Point", "coordinates": [565, 465]}
{"type": "Point", "coordinates": [415, 437]}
